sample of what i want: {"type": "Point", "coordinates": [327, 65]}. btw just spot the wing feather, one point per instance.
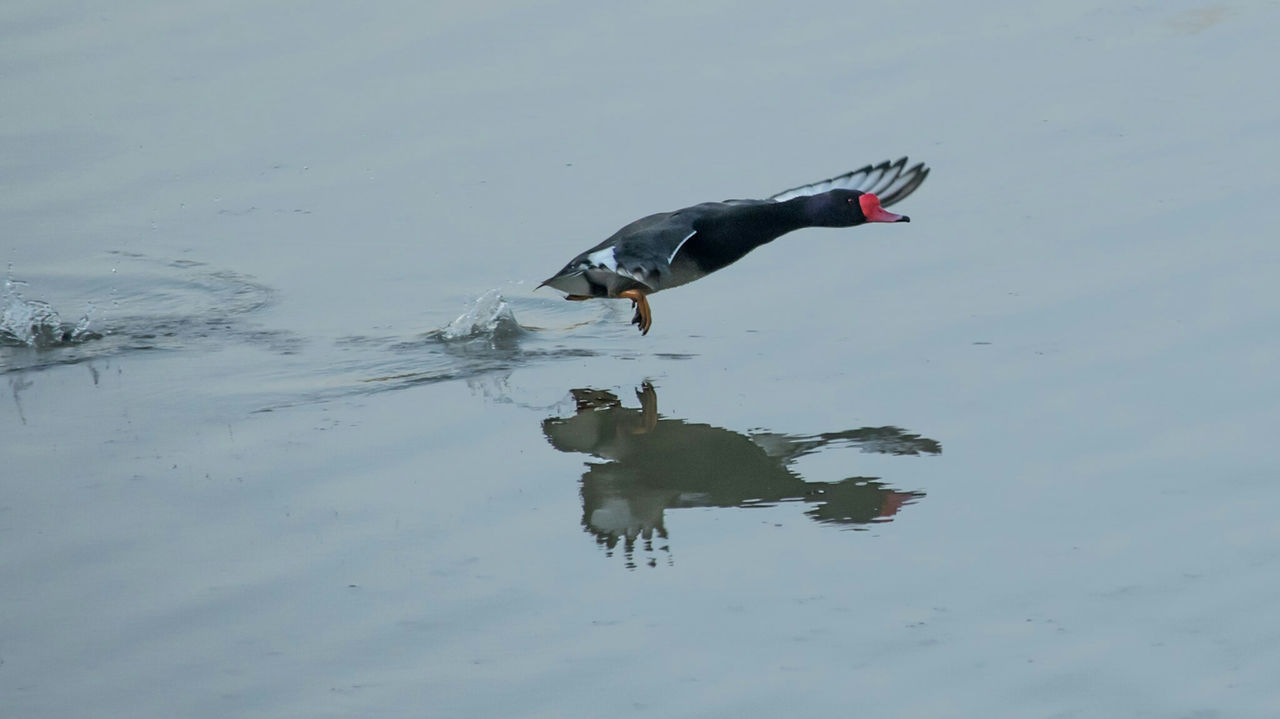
{"type": "Point", "coordinates": [890, 181]}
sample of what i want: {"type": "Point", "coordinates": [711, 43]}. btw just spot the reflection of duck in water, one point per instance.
{"type": "Point", "coordinates": [655, 463]}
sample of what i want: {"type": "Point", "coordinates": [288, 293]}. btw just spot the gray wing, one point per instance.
{"type": "Point", "coordinates": [644, 249]}
{"type": "Point", "coordinates": [890, 181]}
{"type": "Point", "coordinates": [636, 256]}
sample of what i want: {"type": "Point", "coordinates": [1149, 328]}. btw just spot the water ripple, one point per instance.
{"type": "Point", "coordinates": [143, 304]}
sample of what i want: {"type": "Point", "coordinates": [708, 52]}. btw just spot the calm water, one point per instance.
{"type": "Point", "coordinates": [299, 439]}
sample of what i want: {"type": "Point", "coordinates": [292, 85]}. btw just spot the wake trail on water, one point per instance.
{"type": "Point", "coordinates": [35, 323]}
{"type": "Point", "coordinates": [143, 303]}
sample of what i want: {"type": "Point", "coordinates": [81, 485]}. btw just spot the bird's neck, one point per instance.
{"type": "Point", "coordinates": [820, 210]}
{"type": "Point", "coordinates": [768, 221]}
{"type": "Point", "coordinates": [746, 227]}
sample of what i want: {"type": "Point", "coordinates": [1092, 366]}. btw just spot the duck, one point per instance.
{"type": "Point", "coordinates": [669, 249]}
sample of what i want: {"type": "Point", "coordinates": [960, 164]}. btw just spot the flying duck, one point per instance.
{"type": "Point", "coordinates": [670, 249]}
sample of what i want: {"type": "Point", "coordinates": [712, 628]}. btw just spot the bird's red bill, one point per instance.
{"type": "Point", "coordinates": [872, 210]}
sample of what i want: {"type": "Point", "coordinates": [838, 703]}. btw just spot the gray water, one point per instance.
{"type": "Point", "coordinates": [293, 435]}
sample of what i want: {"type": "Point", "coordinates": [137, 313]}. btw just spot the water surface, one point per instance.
{"type": "Point", "coordinates": [294, 435]}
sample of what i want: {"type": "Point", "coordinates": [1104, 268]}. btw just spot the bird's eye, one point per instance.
{"type": "Point", "coordinates": [848, 201]}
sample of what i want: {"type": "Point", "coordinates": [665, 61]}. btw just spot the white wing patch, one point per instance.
{"type": "Point", "coordinates": [602, 268]}
{"type": "Point", "coordinates": [603, 258]}
{"type": "Point", "coordinates": [814, 189]}
{"type": "Point", "coordinates": [678, 246]}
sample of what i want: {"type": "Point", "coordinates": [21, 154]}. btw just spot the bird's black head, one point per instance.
{"type": "Point", "coordinates": [846, 208]}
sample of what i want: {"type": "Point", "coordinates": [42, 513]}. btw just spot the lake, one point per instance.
{"type": "Point", "coordinates": [294, 434]}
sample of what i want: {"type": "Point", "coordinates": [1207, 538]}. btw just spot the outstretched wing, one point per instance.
{"type": "Point", "coordinates": [890, 181]}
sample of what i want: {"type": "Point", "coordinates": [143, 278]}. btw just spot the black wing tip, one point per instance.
{"type": "Point", "coordinates": [899, 164]}
{"type": "Point", "coordinates": [884, 179]}
{"type": "Point", "coordinates": [903, 184]}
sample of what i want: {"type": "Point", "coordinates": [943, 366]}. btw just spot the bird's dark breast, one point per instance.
{"type": "Point", "coordinates": [725, 243]}
{"type": "Point", "coordinates": [711, 256]}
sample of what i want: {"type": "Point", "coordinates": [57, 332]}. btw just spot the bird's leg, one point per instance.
{"type": "Point", "coordinates": [648, 412]}
{"type": "Point", "coordinates": [578, 298]}
{"type": "Point", "coordinates": [648, 405]}
{"type": "Point", "coordinates": [643, 318]}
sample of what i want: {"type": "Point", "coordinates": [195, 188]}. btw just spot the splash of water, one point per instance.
{"type": "Point", "coordinates": [34, 323]}
{"type": "Point", "coordinates": [488, 316]}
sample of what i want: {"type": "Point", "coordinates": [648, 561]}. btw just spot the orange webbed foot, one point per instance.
{"type": "Point", "coordinates": [644, 317]}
